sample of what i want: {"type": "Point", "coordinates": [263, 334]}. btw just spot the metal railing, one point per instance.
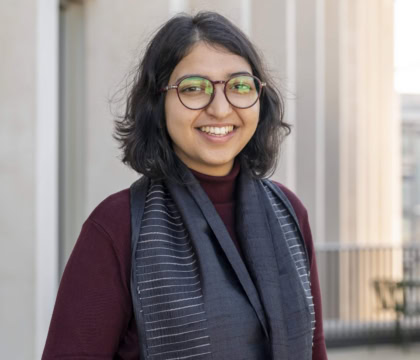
{"type": "Point", "coordinates": [370, 294]}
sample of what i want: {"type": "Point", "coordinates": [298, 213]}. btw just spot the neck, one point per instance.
{"type": "Point", "coordinates": [220, 189]}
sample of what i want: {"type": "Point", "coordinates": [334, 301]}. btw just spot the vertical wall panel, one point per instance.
{"type": "Point", "coordinates": [72, 126]}
{"type": "Point", "coordinates": [17, 176]}
{"type": "Point", "coordinates": [270, 34]}
{"type": "Point", "coordinates": [46, 165]}
{"type": "Point", "coordinates": [369, 129]}
{"type": "Point", "coordinates": [306, 88]}
{"type": "Point", "coordinates": [332, 121]}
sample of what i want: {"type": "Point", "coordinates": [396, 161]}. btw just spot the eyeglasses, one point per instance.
{"type": "Point", "coordinates": [197, 92]}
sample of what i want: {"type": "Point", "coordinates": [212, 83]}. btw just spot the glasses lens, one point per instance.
{"type": "Point", "coordinates": [195, 92]}
{"type": "Point", "coordinates": [243, 91]}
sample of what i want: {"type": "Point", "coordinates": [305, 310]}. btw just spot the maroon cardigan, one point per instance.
{"type": "Point", "coordinates": [93, 315]}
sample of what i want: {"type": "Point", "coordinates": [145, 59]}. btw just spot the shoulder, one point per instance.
{"type": "Point", "coordinates": [298, 206]}
{"type": "Point", "coordinates": [112, 218]}
{"type": "Point", "coordinates": [114, 211]}
{"type": "Point", "coordinates": [103, 245]}
{"type": "Point", "coordinates": [302, 216]}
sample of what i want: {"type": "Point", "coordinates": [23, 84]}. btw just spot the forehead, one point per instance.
{"type": "Point", "coordinates": [214, 62]}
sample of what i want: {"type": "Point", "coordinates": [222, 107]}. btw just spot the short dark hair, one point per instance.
{"type": "Point", "coordinates": [141, 130]}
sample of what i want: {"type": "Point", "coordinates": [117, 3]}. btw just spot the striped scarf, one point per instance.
{"type": "Point", "coordinates": [168, 292]}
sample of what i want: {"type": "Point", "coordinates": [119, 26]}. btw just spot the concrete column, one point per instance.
{"type": "Point", "coordinates": [273, 33]}
{"type": "Point", "coordinates": [369, 148]}
{"type": "Point", "coordinates": [306, 88]}
{"type": "Point", "coordinates": [17, 190]}
{"type": "Point", "coordinates": [331, 72]}
{"type": "Point", "coordinates": [369, 129]}
{"type": "Point", "coordinates": [29, 175]}
{"type": "Point", "coordinates": [46, 163]}
{"type": "Point", "coordinates": [304, 62]}
{"type": "Point", "coordinates": [72, 126]}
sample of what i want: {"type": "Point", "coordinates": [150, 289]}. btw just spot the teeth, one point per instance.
{"type": "Point", "coordinates": [217, 130]}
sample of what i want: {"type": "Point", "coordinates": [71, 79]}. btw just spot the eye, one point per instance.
{"type": "Point", "coordinates": [191, 89]}
{"type": "Point", "coordinates": [195, 86]}
{"type": "Point", "coordinates": [241, 85]}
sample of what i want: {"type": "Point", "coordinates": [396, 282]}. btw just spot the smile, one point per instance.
{"type": "Point", "coordinates": [217, 130]}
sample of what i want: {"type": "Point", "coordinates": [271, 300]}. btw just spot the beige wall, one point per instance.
{"type": "Point", "coordinates": [17, 172]}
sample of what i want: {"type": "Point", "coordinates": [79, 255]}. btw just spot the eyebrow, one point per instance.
{"type": "Point", "coordinates": [240, 73]}
{"type": "Point", "coordinates": [208, 77]}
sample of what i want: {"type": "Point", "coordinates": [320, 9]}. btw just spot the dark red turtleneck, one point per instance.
{"type": "Point", "coordinates": [221, 192]}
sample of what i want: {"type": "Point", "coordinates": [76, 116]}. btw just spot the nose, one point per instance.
{"type": "Point", "coordinates": [219, 107]}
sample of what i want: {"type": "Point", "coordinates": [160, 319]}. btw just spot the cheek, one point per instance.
{"type": "Point", "coordinates": [169, 108]}
{"type": "Point", "coordinates": [257, 115]}
{"type": "Point", "coordinates": [251, 118]}
{"type": "Point", "coordinates": [252, 122]}
{"type": "Point", "coordinates": [171, 127]}
{"type": "Point", "coordinates": [172, 117]}
{"type": "Point", "coordinates": [178, 122]}
{"type": "Point", "coordinates": [257, 112]}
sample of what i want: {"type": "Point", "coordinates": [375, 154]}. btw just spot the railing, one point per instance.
{"type": "Point", "coordinates": [370, 294]}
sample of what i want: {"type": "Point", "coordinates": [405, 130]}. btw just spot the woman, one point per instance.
{"type": "Point", "coordinates": [200, 259]}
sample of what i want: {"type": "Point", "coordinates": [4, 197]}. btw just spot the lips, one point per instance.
{"type": "Point", "coordinates": [217, 130]}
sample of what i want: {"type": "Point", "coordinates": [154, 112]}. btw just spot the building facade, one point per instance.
{"type": "Point", "coordinates": [64, 67]}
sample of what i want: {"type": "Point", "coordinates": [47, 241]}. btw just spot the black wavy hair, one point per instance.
{"type": "Point", "coordinates": [141, 130]}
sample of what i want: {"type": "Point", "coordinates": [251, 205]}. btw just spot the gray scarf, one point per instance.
{"type": "Point", "coordinates": [194, 297]}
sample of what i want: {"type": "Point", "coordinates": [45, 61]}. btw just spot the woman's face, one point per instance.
{"type": "Point", "coordinates": [200, 150]}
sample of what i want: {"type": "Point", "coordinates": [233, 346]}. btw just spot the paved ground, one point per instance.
{"type": "Point", "coordinates": [378, 352]}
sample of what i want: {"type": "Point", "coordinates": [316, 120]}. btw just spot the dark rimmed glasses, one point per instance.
{"type": "Point", "coordinates": [197, 92]}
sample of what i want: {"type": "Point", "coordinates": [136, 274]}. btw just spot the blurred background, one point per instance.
{"type": "Point", "coordinates": [350, 73]}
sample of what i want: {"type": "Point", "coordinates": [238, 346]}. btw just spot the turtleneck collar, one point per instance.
{"type": "Point", "coordinates": [219, 189]}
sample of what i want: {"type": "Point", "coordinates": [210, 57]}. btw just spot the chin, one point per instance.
{"type": "Point", "coordinates": [219, 159]}
{"type": "Point", "coordinates": [219, 164]}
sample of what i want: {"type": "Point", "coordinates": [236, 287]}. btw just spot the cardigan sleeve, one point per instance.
{"type": "Point", "coordinates": [319, 351]}
{"type": "Point", "coordinates": [91, 310]}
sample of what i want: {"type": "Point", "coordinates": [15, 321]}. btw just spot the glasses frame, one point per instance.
{"type": "Point", "coordinates": [214, 83]}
